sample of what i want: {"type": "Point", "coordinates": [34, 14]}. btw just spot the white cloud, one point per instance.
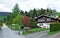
{"type": "Point", "coordinates": [7, 5]}
{"type": "Point", "coordinates": [3, 8]}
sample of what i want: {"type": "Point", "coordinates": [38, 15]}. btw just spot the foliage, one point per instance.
{"type": "Point", "coordinates": [22, 12]}
{"type": "Point", "coordinates": [14, 27]}
{"type": "Point", "coordinates": [55, 27]}
{"type": "Point", "coordinates": [59, 14]}
{"type": "Point", "coordinates": [33, 23]}
{"type": "Point", "coordinates": [26, 21]}
{"type": "Point", "coordinates": [18, 19]}
{"type": "Point", "coordinates": [54, 32]}
{"type": "Point", "coordinates": [1, 20]}
{"type": "Point", "coordinates": [34, 13]}
{"type": "Point", "coordinates": [26, 13]}
{"type": "Point", "coordinates": [9, 18]}
{"type": "Point", "coordinates": [16, 10]}
{"type": "Point", "coordinates": [0, 24]}
{"type": "Point", "coordinates": [13, 14]}
{"type": "Point", "coordinates": [34, 30]}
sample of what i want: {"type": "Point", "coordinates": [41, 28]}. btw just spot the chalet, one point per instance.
{"type": "Point", "coordinates": [45, 21]}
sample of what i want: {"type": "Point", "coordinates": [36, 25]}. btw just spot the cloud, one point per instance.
{"type": "Point", "coordinates": [26, 5]}
{"type": "Point", "coordinates": [3, 8]}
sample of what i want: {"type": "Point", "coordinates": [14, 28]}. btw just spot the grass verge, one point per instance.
{"type": "Point", "coordinates": [34, 30]}
{"type": "Point", "coordinates": [51, 33]}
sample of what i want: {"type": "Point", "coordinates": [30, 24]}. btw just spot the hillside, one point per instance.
{"type": "Point", "coordinates": [3, 15]}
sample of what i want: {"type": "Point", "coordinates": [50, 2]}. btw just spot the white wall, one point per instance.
{"type": "Point", "coordinates": [44, 25]}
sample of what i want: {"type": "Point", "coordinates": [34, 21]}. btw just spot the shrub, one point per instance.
{"type": "Point", "coordinates": [18, 20]}
{"type": "Point", "coordinates": [55, 27]}
{"type": "Point", "coordinates": [33, 23]}
{"type": "Point", "coordinates": [0, 24]}
{"type": "Point", "coordinates": [26, 21]}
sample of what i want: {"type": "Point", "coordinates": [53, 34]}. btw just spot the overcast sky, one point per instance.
{"type": "Point", "coordinates": [26, 5]}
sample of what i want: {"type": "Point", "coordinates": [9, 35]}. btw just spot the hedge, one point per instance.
{"type": "Point", "coordinates": [55, 27]}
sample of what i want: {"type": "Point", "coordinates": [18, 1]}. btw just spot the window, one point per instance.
{"type": "Point", "coordinates": [48, 19]}
{"type": "Point", "coordinates": [41, 24]}
{"type": "Point", "coordinates": [41, 20]}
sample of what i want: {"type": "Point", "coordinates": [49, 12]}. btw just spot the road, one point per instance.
{"type": "Point", "coordinates": [57, 35]}
{"type": "Point", "coordinates": [6, 32]}
{"type": "Point", "coordinates": [42, 34]}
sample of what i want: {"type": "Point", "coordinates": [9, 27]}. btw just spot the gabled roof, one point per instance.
{"type": "Point", "coordinates": [46, 16]}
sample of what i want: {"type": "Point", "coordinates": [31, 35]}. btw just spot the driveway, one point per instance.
{"type": "Point", "coordinates": [8, 33]}
{"type": "Point", "coordinates": [42, 34]}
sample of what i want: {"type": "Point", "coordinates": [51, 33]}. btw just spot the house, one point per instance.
{"type": "Point", "coordinates": [45, 21]}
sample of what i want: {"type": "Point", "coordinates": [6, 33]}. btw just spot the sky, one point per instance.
{"type": "Point", "coordinates": [26, 5]}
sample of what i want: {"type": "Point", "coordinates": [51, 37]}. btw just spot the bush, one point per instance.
{"type": "Point", "coordinates": [33, 23]}
{"type": "Point", "coordinates": [55, 27]}
{"type": "Point", "coordinates": [0, 24]}
{"type": "Point", "coordinates": [26, 21]}
{"type": "Point", "coordinates": [14, 27]}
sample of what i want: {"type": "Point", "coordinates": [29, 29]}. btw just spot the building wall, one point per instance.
{"type": "Point", "coordinates": [44, 25]}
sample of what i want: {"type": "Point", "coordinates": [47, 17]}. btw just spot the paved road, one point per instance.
{"type": "Point", "coordinates": [8, 33]}
{"type": "Point", "coordinates": [42, 34]}
{"type": "Point", "coordinates": [56, 35]}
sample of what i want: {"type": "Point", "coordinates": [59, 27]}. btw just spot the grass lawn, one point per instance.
{"type": "Point", "coordinates": [51, 33]}
{"type": "Point", "coordinates": [34, 30]}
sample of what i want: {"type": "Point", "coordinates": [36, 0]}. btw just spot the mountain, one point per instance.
{"type": "Point", "coordinates": [3, 13]}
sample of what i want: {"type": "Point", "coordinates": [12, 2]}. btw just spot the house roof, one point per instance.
{"type": "Point", "coordinates": [46, 16]}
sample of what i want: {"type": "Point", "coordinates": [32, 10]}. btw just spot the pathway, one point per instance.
{"type": "Point", "coordinates": [8, 33]}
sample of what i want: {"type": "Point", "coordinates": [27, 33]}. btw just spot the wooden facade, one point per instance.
{"type": "Point", "coordinates": [46, 19]}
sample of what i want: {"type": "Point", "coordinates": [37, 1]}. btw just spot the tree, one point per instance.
{"type": "Point", "coordinates": [33, 23]}
{"type": "Point", "coordinates": [22, 12]}
{"type": "Point", "coordinates": [26, 21]}
{"type": "Point", "coordinates": [1, 22]}
{"type": "Point", "coordinates": [42, 11]}
{"type": "Point", "coordinates": [9, 18]}
{"type": "Point", "coordinates": [26, 13]}
{"type": "Point", "coordinates": [30, 13]}
{"type": "Point", "coordinates": [13, 14]}
{"type": "Point", "coordinates": [16, 10]}
{"type": "Point", "coordinates": [34, 12]}
{"type": "Point", "coordinates": [38, 13]}
{"type": "Point", "coordinates": [18, 19]}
